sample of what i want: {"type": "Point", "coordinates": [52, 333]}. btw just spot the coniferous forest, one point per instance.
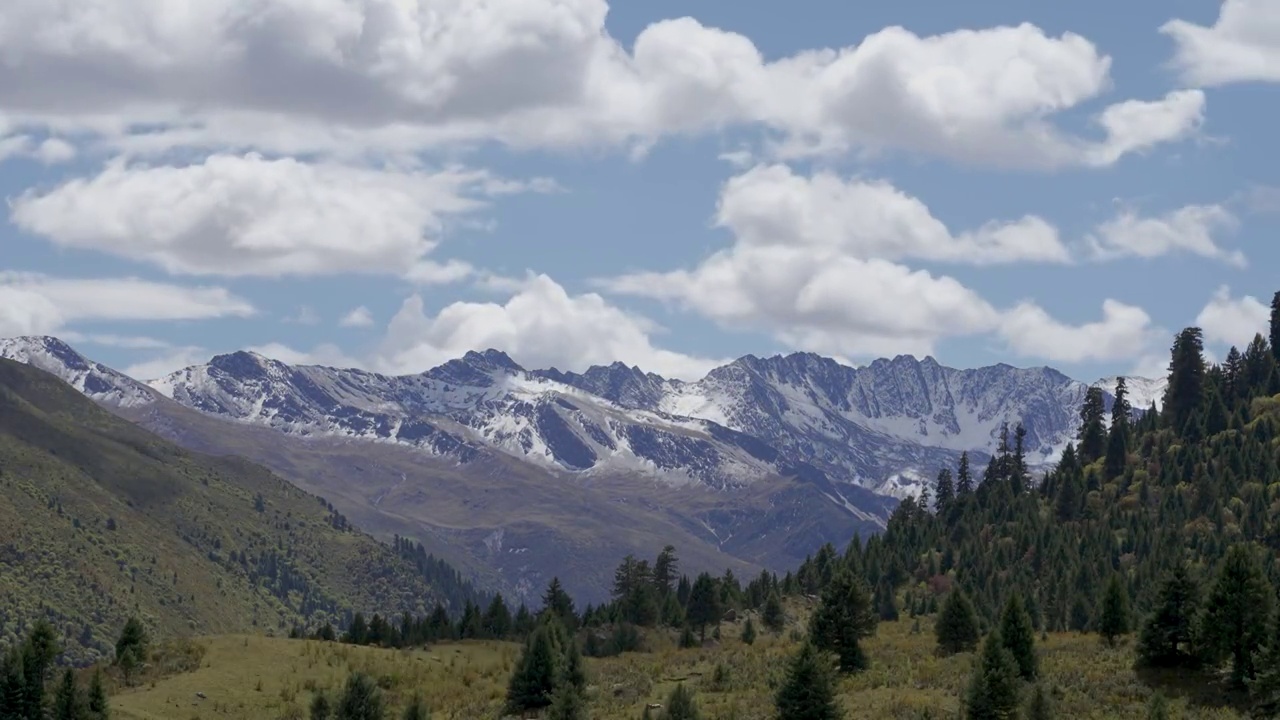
{"type": "Point", "coordinates": [1153, 542]}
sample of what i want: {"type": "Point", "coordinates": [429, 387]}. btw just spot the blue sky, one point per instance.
{"type": "Point", "coordinates": [389, 183]}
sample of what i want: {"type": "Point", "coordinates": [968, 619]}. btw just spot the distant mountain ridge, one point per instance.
{"type": "Point", "coordinates": [885, 427]}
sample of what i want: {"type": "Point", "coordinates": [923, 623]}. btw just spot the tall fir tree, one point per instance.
{"type": "Point", "coordinates": [1114, 619]}
{"type": "Point", "coordinates": [1275, 326]}
{"type": "Point", "coordinates": [557, 602]}
{"type": "Point", "coordinates": [1238, 614]}
{"type": "Point", "coordinates": [808, 692]}
{"type": "Point", "coordinates": [1168, 633]}
{"type": "Point", "coordinates": [704, 604]}
{"type": "Point", "coordinates": [773, 616]}
{"type": "Point", "coordinates": [843, 618]}
{"type": "Point", "coordinates": [1093, 433]}
{"type": "Point", "coordinates": [993, 692]}
{"type": "Point", "coordinates": [1185, 391]}
{"type": "Point", "coordinates": [944, 490]}
{"type": "Point", "coordinates": [538, 670]}
{"type": "Point", "coordinates": [67, 701]}
{"type": "Point", "coordinates": [1019, 637]}
{"type": "Point", "coordinates": [1118, 435]}
{"type": "Point", "coordinates": [957, 625]}
{"type": "Point", "coordinates": [964, 475]}
{"type": "Point", "coordinates": [96, 703]}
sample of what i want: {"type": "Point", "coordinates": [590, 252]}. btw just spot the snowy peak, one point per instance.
{"type": "Point", "coordinates": [617, 383]}
{"type": "Point", "coordinates": [477, 369]}
{"type": "Point", "coordinates": [1142, 392]}
{"type": "Point", "coordinates": [95, 380]}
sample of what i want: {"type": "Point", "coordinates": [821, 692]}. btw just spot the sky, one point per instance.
{"type": "Point", "coordinates": [388, 184]}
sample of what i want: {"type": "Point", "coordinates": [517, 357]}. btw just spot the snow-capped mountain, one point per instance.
{"type": "Point", "coordinates": [95, 380]}
{"type": "Point", "coordinates": [885, 427]}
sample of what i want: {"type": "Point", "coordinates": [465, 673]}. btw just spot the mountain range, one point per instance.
{"type": "Point", "coordinates": [503, 470]}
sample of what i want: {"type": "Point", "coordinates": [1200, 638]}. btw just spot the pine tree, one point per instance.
{"type": "Point", "coordinates": [536, 671]}
{"type": "Point", "coordinates": [704, 604]}
{"type": "Point", "coordinates": [67, 703]}
{"type": "Point", "coordinates": [1275, 326]}
{"type": "Point", "coordinates": [749, 632]}
{"type": "Point", "coordinates": [773, 616]}
{"type": "Point", "coordinates": [1093, 434]}
{"type": "Point", "coordinates": [1168, 633]}
{"type": "Point", "coordinates": [361, 699]}
{"type": "Point", "coordinates": [964, 476]}
{"type": "Point", "coordinates": [416, 709]}
{"type": "Point", "coordinates": [1019, 637]}
{"type": "Point", "coordinates": [687, 638]}
{"type": "Point", "coordinates": [497, 619]}
{"type": "Point", "coordinates": [993, 689]}
{"type": "Point", "coordinates": [97, 701]}
{"type": "Point", "coordinates": [567, 703]}
{"type": "Point", "coordinates": [1238, 614]}
{"type": "Point", "coordinates": [1158, 707]}
{"type": "Point", "coordinates": [944, 490]}
{"type": "Point", "coordinates": [808, 692]}
{"type": "Point", "coordinates": [665, 570]}
{"type": "Point", "coordinates": [1264, 691]}
{"type": "Point", "coordinates": [321, 709]}
{"type": "Point", "coordinates": [1114, 620]}
{"type": "Point", "coordinates": [680, 705]}
{"type": "Point", "coordinates": [844, 617]}
{"type": "Point", "coordinates": [1118, 436]}
{"type": "Point", "coordinates": [557, 602]}
{"type": "Point", "coordinates": [1185, 392]}
{"type": "Point", "coordinates": [957, 626]}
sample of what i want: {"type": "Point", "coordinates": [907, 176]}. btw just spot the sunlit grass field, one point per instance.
{"type": "Point", "coordinates": [260, 677]}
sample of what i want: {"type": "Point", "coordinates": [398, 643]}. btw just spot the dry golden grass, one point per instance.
{"type": "Point", "coordinates": [258, 677]}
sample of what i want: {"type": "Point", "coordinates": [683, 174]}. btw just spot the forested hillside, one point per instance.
{"type": "Point", "coordinates": [100, 520]}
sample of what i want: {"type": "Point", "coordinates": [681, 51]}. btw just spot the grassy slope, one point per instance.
{"type": "Point", "coordinates": [469, 680]}
{"type": "Point", "coordinates": [67, 468]}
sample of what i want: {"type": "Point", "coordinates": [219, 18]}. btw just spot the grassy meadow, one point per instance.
{"type": "Point", "coordinates": [261, 677]}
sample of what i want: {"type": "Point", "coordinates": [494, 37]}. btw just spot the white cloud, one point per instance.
{"type": "Point", "coordinates": [55, 150]}
{"type": "Point", "coordinates": [247, 215]}
{"type": "Point", "coordinates": [1189, 229]}
{"type": "Point", "coordinates": [39, 304]}
{"type": "Point", "coordinates": [161, 365]}
{"type": "Point", "coordinates": [1233, 321]}
{"type": "Point", "coordinates": [1243, 45]}
{"type": "Point", "coordinates": [1124, 331]}
{"type": "Point", "coordinates": [541, 325]}
{"type": "Point", "coordinates": [357, 318]}
{"type": "Point", "coordinates": [399, 75]}
{"type": "Point", "coordinates": [304, 315]}
{"type": "Point", "coordinates": [772, 206]}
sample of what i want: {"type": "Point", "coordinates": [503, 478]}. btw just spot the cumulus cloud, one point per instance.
{"type": "Point", "coordinates": [1243, 45]}
{"type": "Point", "coordinates": [39, 304]}
{"type": "Point", "coordinates": [249, 215]}
{"type": "Point", "coordinates": [1233, 321]}
{"type": "Point", "coordinates": [1190, 229]}
{"type": "Point", "coordinates": [1124, 332]}
{"type": "Point", "coordinates": [358, 317]}
{"type": "Point", "coordinates": [541, 325]}
{"type": "Point", "coordinates": [771, 205]}
{"type": "Point", "coordinates": [818, 262]}
{"type": "Point", "coordinates": [398, 75]}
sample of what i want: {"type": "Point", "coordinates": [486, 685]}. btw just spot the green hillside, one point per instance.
{"type": "Point", "coordinates": [100, 519]}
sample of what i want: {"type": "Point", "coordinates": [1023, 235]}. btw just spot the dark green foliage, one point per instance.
{"type": "Point", "coordinates": [1114, 619]}
{"type": "Point", "coordinates": [1019, 637]}
{"type": "Point", "coordinates": [808, 692]}
{"type": "Point", "coordinates": [1264, 691]}
{"type": "Point", "coordinates": [688, 639]}
{"type": "Point", "coordinates": [993, 689]}
{"type": "Point", "coordinates": [957, 625]}
{"type": "Point", "coordinates": [321, 709]}
{"type": "Point", "coordinates": [964, 476]}
{"type": "Point", "coordinates": [1093, 433]}
{"type": "Point", "coordinates": [416, 709]}
{"type": "Point", "coordinates": [1185, 393]}
{"type": "Point", "coordinates": [1238, 614]}
{"type": "Point", "coordinates": [1158, 707]}
{"type": "Point", "coordinates": [1118, 436]}
{"type": "Point", "coordinates": [1168, 633]}
{"type": "Point", "coordinates": [773, 616]}
{"type": "Point", "coordinates": [536, 673]}
{"type": "Point", "coordinates": [944, 490]}
{"type": "Point", "coordinates": [1039, 707]}
{"type": "Point", "coordinates": [749, 632]}
{"type": "Point", "coordinates": [844, 617]}
{"type": "Point", "coordinates": [96, 702]}
{"type": "Point", "coordinates": [1275, 326]}
{"type": "Point", "coordinates": [361, 699]}
{"type": "Point", "coordinates": [68, 704]}
{"type": "Point", "coordinates": [567, 703]}
{"type": "Point", "coordinates": [680, 705]}
{"type": "Point", "coordinates": [704, 606]}
{"type": "Point", "coordinates": [558, 603]}
{"type": "Point", "coordinates": [497, 622]}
